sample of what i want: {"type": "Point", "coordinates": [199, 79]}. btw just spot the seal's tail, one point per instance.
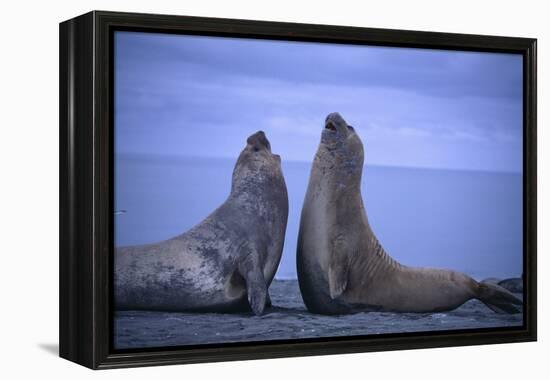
{"type": "Point", "coordinates": [499, 299]}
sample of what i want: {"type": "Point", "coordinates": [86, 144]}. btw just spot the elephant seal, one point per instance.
{"type": "Point", "coordinates": [225, 263]}
{"type": "Point", "coordinates": [342, 268]}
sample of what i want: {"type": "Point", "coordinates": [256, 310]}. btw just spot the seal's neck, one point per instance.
{"type": "Point", "coordinates": [261, 191]}
{"type": "Point", "coordinates": [338, 171]}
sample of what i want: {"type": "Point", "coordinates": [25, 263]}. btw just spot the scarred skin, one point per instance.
{"type": "Point", "coordinates": [342, 268]}
{"type": "Point", "coordinates": [225, 263]}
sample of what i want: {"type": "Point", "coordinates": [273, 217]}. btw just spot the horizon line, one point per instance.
{"type": "Point", "coordinates": [182, 156]}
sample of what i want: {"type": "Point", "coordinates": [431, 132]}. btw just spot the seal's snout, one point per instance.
{"type": "Point", "coordinates": [335, 122]}
{"type": "Point", "coordinates": [335, 117]}
{"type": "Point", "coordinates": [258, 141]}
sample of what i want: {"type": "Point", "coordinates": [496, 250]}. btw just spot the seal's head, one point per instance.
{"type": "Point", "coordinates": [341, 149]}
{"type": "Point", "coordinates": [337, 132]}
{"type": "Point", "coordinates": [256, 163]}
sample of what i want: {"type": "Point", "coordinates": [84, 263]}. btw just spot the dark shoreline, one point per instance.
{"type": "Point", "coordinates": [289, 319]}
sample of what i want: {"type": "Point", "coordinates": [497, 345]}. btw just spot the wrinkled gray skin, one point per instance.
{"type": "Point", "coordinates": [342, 268]}
{"type": "Point", "coordinates": [224, 264]}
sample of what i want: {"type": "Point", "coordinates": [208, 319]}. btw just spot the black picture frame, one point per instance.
{"type": "Point", "coordinates": [86, 187]}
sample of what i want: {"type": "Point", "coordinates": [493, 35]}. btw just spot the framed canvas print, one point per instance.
{"type": "Point", "coordinates": [234, 189]}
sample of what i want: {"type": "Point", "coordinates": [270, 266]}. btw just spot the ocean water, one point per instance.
{"type": "Point", "coordinates": [464, 220]}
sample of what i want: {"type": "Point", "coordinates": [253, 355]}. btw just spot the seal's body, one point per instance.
{"type": "Point", "coordinates": [342, 268]}
{"type": "Point", "coordinates": [227, 262]}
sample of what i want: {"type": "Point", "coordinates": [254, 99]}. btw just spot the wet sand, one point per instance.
{"type": "Point", "coordinates": [289, 319]}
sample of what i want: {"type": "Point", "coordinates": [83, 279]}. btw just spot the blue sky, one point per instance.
{"type": "Point", "coordinates": [202, 96]}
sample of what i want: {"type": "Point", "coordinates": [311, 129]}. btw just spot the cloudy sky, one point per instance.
{"type": "Point", "coordinates": [202, 96]}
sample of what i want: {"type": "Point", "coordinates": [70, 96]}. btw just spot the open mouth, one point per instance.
{"type": "Point", "coordinates": [331, 126]}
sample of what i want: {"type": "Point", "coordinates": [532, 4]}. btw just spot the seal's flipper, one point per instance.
{"type": "Point", "coordinates": [338, 269]}
{"type": "Point", "coordinates": [499, 299]}
{"type": "Point", "coordinates": [256, 287]}
{"type": "Point", "coordinates": [337, 279]}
